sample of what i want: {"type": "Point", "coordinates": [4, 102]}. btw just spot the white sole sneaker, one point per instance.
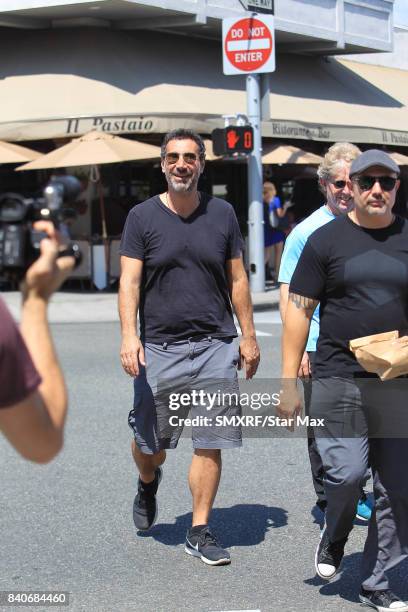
{"type": "Point", "coordinates": [400, 608]}
{"type": "Point", "coordinates": [196, 553]}
{"type": "Point", "coordinates": [319, 572]}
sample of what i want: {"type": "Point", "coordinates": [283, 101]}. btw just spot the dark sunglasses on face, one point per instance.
{"type": "Point", "coordinates": [366, 182]}
{"type": "Point", "coordinates": [189, 158]}
{"type": "Point", "coordinates": [340, 184]}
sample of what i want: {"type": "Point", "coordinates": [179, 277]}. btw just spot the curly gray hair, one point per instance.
{"type": "Point", "coordinates": [335, 157]}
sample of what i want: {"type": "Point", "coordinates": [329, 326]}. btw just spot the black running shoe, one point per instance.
{"type": "Point", "coordinates": [204, 545]}
{"type": "Point", "coordinates": [145, 505]}
{"type": "Point", "coordinates": [383, 601]}
{"type": "Point", "coordinates": [328, 556]}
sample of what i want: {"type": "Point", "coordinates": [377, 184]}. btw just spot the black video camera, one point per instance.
{"type": "Point", "coordinates": [19, 242]}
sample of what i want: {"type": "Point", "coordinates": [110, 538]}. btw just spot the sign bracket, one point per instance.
{"type": "Point", "coordinates": [259, 6]}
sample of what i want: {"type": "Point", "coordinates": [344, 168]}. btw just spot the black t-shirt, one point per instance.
{"type": "Point", "coordinates": [360, 277]}
{"type": "Point", "coordinates": [185, 289]}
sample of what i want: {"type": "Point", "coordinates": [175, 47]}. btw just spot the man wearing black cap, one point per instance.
{"type": "Point", "coordinates": [360, 282]}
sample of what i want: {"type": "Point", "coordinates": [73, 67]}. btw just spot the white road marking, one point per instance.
{"type": "Point", "coordinates": [258, 333]}
{"type": "Point", "coordinates": [235, 611]}
{"type": "Point", "coordinates": [265, 318]}
{"type": "Point", "coordinates": [269, 318]}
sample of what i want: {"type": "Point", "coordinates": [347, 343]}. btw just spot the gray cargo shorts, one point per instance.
{"type": "Point", "coordinates": [190, 383]}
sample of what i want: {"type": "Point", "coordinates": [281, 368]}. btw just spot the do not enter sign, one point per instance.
{"type": "Point", "coordinates": [248, 45]}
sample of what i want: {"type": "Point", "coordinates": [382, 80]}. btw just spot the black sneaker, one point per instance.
{"type": "Point", "coordinates": [145, 506]}
{"type": "Point", "coordinates": [328, 556]}
{"type": "Point", "coordinates": [204, 545]}
{"type": "Point", "coordinates": [383, 601]}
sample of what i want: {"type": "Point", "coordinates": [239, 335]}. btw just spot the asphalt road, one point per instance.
{"type": "Point", "coordinates": [68, 525]}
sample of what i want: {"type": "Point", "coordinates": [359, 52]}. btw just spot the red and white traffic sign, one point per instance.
{"type": "Point", "coordinates": [248, 44]}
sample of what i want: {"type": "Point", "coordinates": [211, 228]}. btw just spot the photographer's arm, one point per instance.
{"type": "Point", "coordinates": [131, 352]}
{"type": "Point", "coordinates": [35, 425]}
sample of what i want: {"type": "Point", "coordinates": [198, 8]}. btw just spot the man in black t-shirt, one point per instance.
{"type": "Point", "coordinates": [181, 270]}
{"type": "Point", "coordinates": [360, 281]}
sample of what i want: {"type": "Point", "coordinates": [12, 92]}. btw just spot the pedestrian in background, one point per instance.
{"type": "Point", "coordinates": [274, 235]}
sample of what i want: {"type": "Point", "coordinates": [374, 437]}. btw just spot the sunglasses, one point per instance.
{"type": "Point", "coordinates": [339, 184]}
{"type": "Point", "coordinates": [366, 182]}
{"type": "Point", "coordinates": [189, 158]}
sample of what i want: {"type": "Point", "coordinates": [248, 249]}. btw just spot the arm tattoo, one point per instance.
{"type": "Point", "coordinates": [305, 303]}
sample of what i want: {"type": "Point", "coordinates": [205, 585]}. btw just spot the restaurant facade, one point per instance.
{"type": "Point", "coordinates": [140, 69]}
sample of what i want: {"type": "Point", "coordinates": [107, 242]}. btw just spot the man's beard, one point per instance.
{"type": "Point", "coordinates": [182, 186]}
{"type": "Point", "coordinates": [339, 206]}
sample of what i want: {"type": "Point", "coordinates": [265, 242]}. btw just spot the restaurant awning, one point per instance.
{"type": "Point", "coordinates": [127, 83]}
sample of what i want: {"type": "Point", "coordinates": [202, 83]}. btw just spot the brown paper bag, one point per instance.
{"type": "Point", "coordinates": [379, 355]}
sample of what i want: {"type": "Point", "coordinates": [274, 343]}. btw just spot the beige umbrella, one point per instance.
{"type": "Point", "coordinates": [16, 154]}
{"type": "Point", "coordinates": [399, 158]}
{"type": "Point", "coordinates": [93, 149]}
{"type": "Point", "coordinates": [287, 154]}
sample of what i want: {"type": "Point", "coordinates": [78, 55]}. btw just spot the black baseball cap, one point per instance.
{"type": "Point", "coordinates": [373, 157]}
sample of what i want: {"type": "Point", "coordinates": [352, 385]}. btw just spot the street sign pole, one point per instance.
{"type": "Point", "coordinates": [255, 211]}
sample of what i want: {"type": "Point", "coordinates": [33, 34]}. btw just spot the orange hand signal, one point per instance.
{"type": "Point", "coordinates": [232, 139]}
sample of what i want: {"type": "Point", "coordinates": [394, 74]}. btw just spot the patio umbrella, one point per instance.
{"type": "Point", "coordinates": [287, 154]}
{"type": "Point", "coordinates": [93, 149]}
{"type": "Point", "coordinates": [15, 154]}
{"type": "Point", "coordinates": [399, 158]}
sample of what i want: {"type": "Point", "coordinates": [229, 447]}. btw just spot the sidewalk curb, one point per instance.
{"type": "Point", "coordinates": [100, 307]}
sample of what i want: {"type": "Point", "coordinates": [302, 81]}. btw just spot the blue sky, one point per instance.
{"type": "Point", "coordinates": [401, 12]}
